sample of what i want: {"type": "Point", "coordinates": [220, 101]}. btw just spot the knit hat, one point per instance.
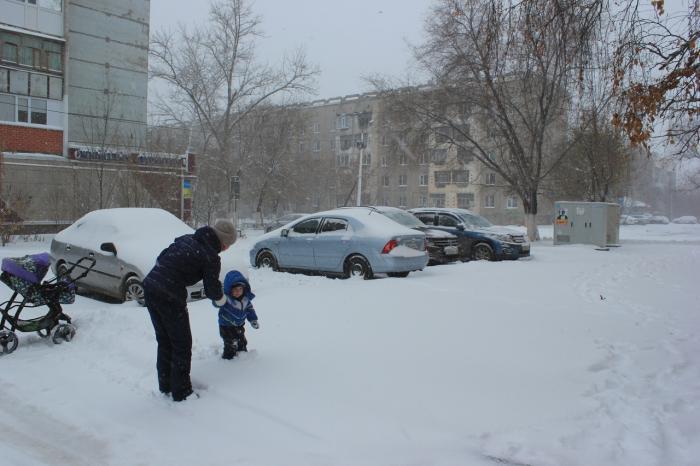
{"type": "Point", "coordinates": [225, 231]}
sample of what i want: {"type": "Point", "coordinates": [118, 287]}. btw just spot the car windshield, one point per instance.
{"type": "Point", "coordinates": [474, 220]}
{"type": "Point", "coordinates": [403, 218]}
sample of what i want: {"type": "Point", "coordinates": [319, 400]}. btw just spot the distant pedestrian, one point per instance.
{"type": "Point", "coordinates": [233, 314]}
{"type": "Point", "coordinates": [189, 259]}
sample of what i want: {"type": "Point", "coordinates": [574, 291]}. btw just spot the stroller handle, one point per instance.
{"type": "Point", "coordinates": [88, 260]}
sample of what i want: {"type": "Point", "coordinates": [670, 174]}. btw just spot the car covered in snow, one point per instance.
{"type": "Point", "coordinates": [124, 243]}
{"type": "Point", "coordinates": [484, 240]}
{"type": "Point", "coordinates": [348, 242]}
{"type": "Point", "coordinates": [686, 220]}
{"type": "Point", "coordinates": [443, 247]}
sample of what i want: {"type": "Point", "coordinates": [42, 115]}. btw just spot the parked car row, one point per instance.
{"type": "Point", "coordinates": [362, 241]}
{"type": "Point", "coordinates": [345, 242]}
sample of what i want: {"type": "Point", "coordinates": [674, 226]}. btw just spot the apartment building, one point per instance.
{"type": "Point", "coordinates": [396, 170]}
{"type": "Point", "coordinates": [73, 103]}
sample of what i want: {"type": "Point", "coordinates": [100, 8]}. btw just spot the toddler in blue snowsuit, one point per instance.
{"type": "Point", "coordinates": [233, 314]}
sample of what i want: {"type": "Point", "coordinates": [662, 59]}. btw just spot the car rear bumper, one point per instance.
{"type": "Point", "coordinates": [388, 263]}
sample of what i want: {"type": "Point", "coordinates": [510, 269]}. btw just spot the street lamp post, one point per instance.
{"type": "Point", "coordinates": [361, 146]}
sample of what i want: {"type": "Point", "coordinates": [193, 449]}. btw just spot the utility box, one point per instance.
{"type": "Point", "coordinates": [587, 223]}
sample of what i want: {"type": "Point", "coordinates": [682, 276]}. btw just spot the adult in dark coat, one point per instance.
{"type": "Point", "coordinates": [189, 259]}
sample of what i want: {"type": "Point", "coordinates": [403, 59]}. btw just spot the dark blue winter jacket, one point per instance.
{"type": "Point", "coordinates": [189, 259]}
{"type": "Point", "coordinates": [236, 311]}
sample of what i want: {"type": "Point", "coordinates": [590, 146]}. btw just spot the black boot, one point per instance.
{"type": "Point", "coordinates": [230, 350]}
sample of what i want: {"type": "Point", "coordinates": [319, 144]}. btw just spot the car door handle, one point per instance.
{"type": "Point", "coordinates": [92, 254]}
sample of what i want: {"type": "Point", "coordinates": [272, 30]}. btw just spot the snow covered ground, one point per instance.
{"type": "Point", "coordinates": [574, 357]}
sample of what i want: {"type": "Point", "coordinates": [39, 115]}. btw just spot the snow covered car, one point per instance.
{"type": "Point", "coordinates": [124, 243]}
{"type": "Point", "coordinates": [443, 247]}
{"type": "Point", "coordinates": [686, 219]}
{"type": "Point", "coordinates": [485, 241]}
{"type": "Point", "coordinates": [349, 242]}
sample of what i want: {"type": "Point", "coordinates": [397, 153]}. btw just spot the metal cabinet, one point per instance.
{"type": "Point", "coordinates": [586, 223]}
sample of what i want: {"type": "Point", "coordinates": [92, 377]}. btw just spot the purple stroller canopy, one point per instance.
{"type": "Point", "coordinates": [31, 268]}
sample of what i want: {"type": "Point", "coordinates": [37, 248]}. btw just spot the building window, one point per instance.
{"type": "Point", "coordinates": [512, 202]}
{"type": "Point", "coordinates": [385, 162]}
{"type": "Point", "coordinates": [39, 85]}
{"type": "Point", "coordinates": [55, 62]}
{"type": "Point", "coordinates": [317, 128]}
{"type": "Point", "coordinates": [403, 160]}
{"type": "Point", "coordinates": [465, 200]}
{"type": "Point", "coordinates": [38, 111]}
{"type": "Point", "coordinates": [385, 181]}
{"type": "Point", "coordinates": [55, 88]}
{"type": "Point", "coordinates": [423, 158]}
{"type": "Point", "coordinates": [437, 200]}
{"type": "Point", "coordinates": [343, 160]}
{"type": "Point", "coordinates": [301, 147]}
{"type": "Point", "coordinates": [23, 109]}
{"type": "Point", "coordinates": [403, 180]}
{"type": "Point", "coordinates": [4, 80]}
{"type": "Point", "coordinates": [366, 158]}
{"type": "Point", "coordinates": [316, 202]}
{"type": "Point", "coordinates": [423, 201]}
{"type": "Point", "coordinates": [341, 122]}
{"type": "Point", "coordinates": [19, 82]}
{"type": "Point", "coordinates": [460, 176]}
{"type": "Point", "coordinates": [332, 143]}
{"type": "Point", "coordinates": [438, 156]}
{"type": "Point", "coordinates": [7, 107]}
{"type": "Point", "coordinates": [442, 178]}
{"type": "Point", "coordinates": [402, 201]}
{"type": "Point", "coordinates": [316, 146]}
{"type": "Point", "coordinates": [490, 201]}
{"type": "Point", "coordinates": [423, 179]}
{"type": "Point", "coordinates": [9, 52]}
{"type": "Point", "coordinates": [490, 179]}
{"type": "Point", "coordinates": [54, 5]}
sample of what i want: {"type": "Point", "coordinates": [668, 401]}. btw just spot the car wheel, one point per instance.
{"type": "Point", "coordinates": [133, 291]}
{"type": "Point", "coordinates": [483, 252]}
{"type": "Point", "coordinates": [266, 260]}
{"type": "Point", "coordinates": [358, 267]}
{"type": "Point", "coordinates": [398, 274]}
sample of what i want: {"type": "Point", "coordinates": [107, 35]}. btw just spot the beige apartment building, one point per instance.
{"type": "Point", "coordinates": [394, 171]}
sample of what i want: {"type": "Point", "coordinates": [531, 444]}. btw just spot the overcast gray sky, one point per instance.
{"type": "Point", "coordinates": [346, 39]}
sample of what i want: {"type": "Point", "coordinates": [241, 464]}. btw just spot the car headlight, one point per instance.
{"type": "Point", "coordinates": [504, 238]}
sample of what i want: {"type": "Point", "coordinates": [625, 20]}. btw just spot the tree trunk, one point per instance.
{"type": "Point", "coordinates": [530, 207]}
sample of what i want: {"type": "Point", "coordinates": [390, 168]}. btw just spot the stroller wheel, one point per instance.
{"type": "Point", "coordinates": [62, 332]}
{"type": "Point", "coordinates": [8, 341]}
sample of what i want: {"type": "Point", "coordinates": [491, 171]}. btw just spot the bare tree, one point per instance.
{"type": "Point", "coordinates": [595, 168]}
{"type": "Point", "coordinates": [504, 81]}
{"type": "Point", "coordinates": [215, 81]}
{"type": "Point", "coordinates": [657, 63]}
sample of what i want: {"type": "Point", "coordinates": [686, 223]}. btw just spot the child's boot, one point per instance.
{"type": "Point", "coordinates": [230, 349]}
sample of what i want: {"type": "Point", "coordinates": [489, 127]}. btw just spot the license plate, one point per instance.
{"type": "Point", "coordinates": [451, 250]}
{"type": "Point", "coordinates": [525, 248]}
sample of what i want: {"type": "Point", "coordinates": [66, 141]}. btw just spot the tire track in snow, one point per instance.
{"type": "Point", "coordinates": [39, 435]}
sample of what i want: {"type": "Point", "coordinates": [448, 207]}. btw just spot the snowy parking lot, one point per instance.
{"type": "Point", "coordinates": [574, 357]}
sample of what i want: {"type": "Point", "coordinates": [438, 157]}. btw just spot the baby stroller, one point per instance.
{"type": "Point", "coordinates": [24, 276]}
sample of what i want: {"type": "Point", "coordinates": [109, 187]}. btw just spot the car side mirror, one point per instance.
{"type": "Point", "coordinates": [460, 226]}
{"type": "Point", "coordinates": [108, 247]}
{"type": "Point", "coordinates": [284, 232]}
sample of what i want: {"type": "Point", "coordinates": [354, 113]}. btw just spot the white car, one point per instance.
{"type": "Point", "coordinates": [686, 219]}
{"type": "Point", "coordinates": [124, 244]}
